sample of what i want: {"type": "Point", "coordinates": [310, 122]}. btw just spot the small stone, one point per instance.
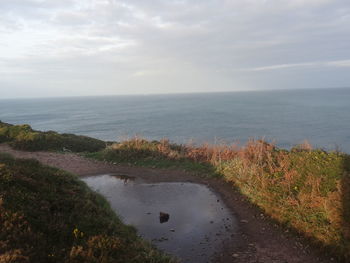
{"type": "Point", "coordinates": [244, 221]}
{"type": "Point", "coordinates": [235, 255]}
{"type": "Point", "coordinates": [172, 230]}
{"type": "Point", "coordinates": [163, 217]}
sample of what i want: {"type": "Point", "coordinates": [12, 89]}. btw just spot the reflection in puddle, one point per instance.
{"type": "Point", "coordinates": [184, 219]}
{"type": "Point", "coordinates": [124, 178]}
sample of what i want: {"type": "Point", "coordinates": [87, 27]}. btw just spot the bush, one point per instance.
{"type": "Point", "coordinates": [47, 215]}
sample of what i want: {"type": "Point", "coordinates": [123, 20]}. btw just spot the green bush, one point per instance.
{"type": "Point", "coordinates": [47, 215]}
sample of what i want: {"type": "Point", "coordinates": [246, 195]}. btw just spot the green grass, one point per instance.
{"type": "Point", "coordinates": [147, 154]}
{"type": "Point", "coordinates": [47, 215]}
{"type": "Point", "coordinates": [23, 137]}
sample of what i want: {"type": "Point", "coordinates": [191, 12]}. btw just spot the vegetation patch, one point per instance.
{"type": "Point", "coordinates": [23, 137]}
{"type": "Point", "coordinates": [153, 154]}
{"type": "Point", "coordinates": [308, 190]}
{"type": "Point", "coordinates": [48, 215]}
{"type": "Point", "coordinates": [305, 189]}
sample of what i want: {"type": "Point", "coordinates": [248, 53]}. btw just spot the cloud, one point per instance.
{"type": "Point", "coordinates": [283, 66]}
{"type": "Point", "coordinates": [340, 63]}
{"type": "Point", "coordinates": [238, 44]}
{"type": "Point", "coordinates": [337, 63]}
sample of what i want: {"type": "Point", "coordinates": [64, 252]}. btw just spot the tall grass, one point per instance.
{"type": "Point", "coordinates": [303, 188]}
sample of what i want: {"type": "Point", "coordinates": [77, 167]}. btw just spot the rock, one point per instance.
{"type": "Point", "coordinates": [163, 217]}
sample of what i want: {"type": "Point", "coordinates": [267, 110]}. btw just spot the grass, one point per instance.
{"type": "Point", "coordinates": [48, 215]}
{"type": "Point", "coordinates": [23, 137]}
{"type": "Point", "coordinates": [140, 152]}
{"type": "Point", "coordinates": [307, 190]}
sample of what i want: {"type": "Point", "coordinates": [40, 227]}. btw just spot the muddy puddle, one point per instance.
{"type": "Point", "coordinates": [187, 220]}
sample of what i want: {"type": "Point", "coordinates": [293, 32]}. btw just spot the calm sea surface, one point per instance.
{"type": "Point", "coordinates": [286, 117]}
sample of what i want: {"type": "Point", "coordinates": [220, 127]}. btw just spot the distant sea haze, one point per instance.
{"type": "Point", "coordinates": [286, 117]}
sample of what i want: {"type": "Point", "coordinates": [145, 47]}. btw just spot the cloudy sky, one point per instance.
{"type": "Point", "coordinates": [97, 47]}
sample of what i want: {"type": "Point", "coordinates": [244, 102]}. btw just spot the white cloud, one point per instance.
{"type": "Point", "coordinates": [339, 63]}
{"type": "Point", "coordinates": [233, 42]}
{"type": "Point", "coordinates": [283, 66]}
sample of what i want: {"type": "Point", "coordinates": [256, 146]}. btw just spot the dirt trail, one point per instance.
{"type": "Point", "coordinates": [258, 239]}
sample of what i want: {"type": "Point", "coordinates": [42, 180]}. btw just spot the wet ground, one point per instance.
{"type": "Point", "coordinates": [194, 222]}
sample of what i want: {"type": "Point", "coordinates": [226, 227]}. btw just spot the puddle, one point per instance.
{"type": "Point", "coordinates": [194, 221]}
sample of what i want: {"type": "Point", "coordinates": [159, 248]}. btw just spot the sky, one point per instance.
{"type": "Point", "coordinates": [101, 47]}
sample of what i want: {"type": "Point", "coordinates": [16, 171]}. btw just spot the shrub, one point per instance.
{"type": "Point", "coordinates": [47, 215]}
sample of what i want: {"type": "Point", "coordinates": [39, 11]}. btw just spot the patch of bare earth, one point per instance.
{"type": "Point", "coordinates": [258, 238]}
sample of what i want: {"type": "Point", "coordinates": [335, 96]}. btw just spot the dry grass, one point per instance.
{"type": "Point", "coordinates": [305, 189]}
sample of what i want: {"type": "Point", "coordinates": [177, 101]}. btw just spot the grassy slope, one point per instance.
{"type": "Point", "coordinates": [47, 215]}
{"type": "Point", "coordinates": [308, 190]}
{"type": "Point", "coordinates": [23, 137]}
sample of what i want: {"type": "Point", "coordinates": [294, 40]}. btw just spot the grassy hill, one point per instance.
{"type": "Point", "coordinates": [23, 137]}
{"type": "Point", "coordinates": [48, 215]}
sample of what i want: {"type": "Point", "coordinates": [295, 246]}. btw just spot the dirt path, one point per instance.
{"type": "Point", "coordinates": [258, 238]}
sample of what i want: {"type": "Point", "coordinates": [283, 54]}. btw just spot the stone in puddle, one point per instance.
{"type": "Point", "coordinates": [163, 217]}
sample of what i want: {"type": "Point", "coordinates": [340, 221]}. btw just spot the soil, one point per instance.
{"type": "Point", "coordinates": [258, 239]}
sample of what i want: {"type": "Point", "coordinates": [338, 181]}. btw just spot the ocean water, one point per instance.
{"type": "Point", "coordinates": [286, 117]}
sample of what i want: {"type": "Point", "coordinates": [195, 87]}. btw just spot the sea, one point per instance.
{"type": "Point", "coordinates": [284, 117]}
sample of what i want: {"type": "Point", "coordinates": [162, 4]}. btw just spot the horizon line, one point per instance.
{"type": "Point", "coordinates": [172, 93]}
